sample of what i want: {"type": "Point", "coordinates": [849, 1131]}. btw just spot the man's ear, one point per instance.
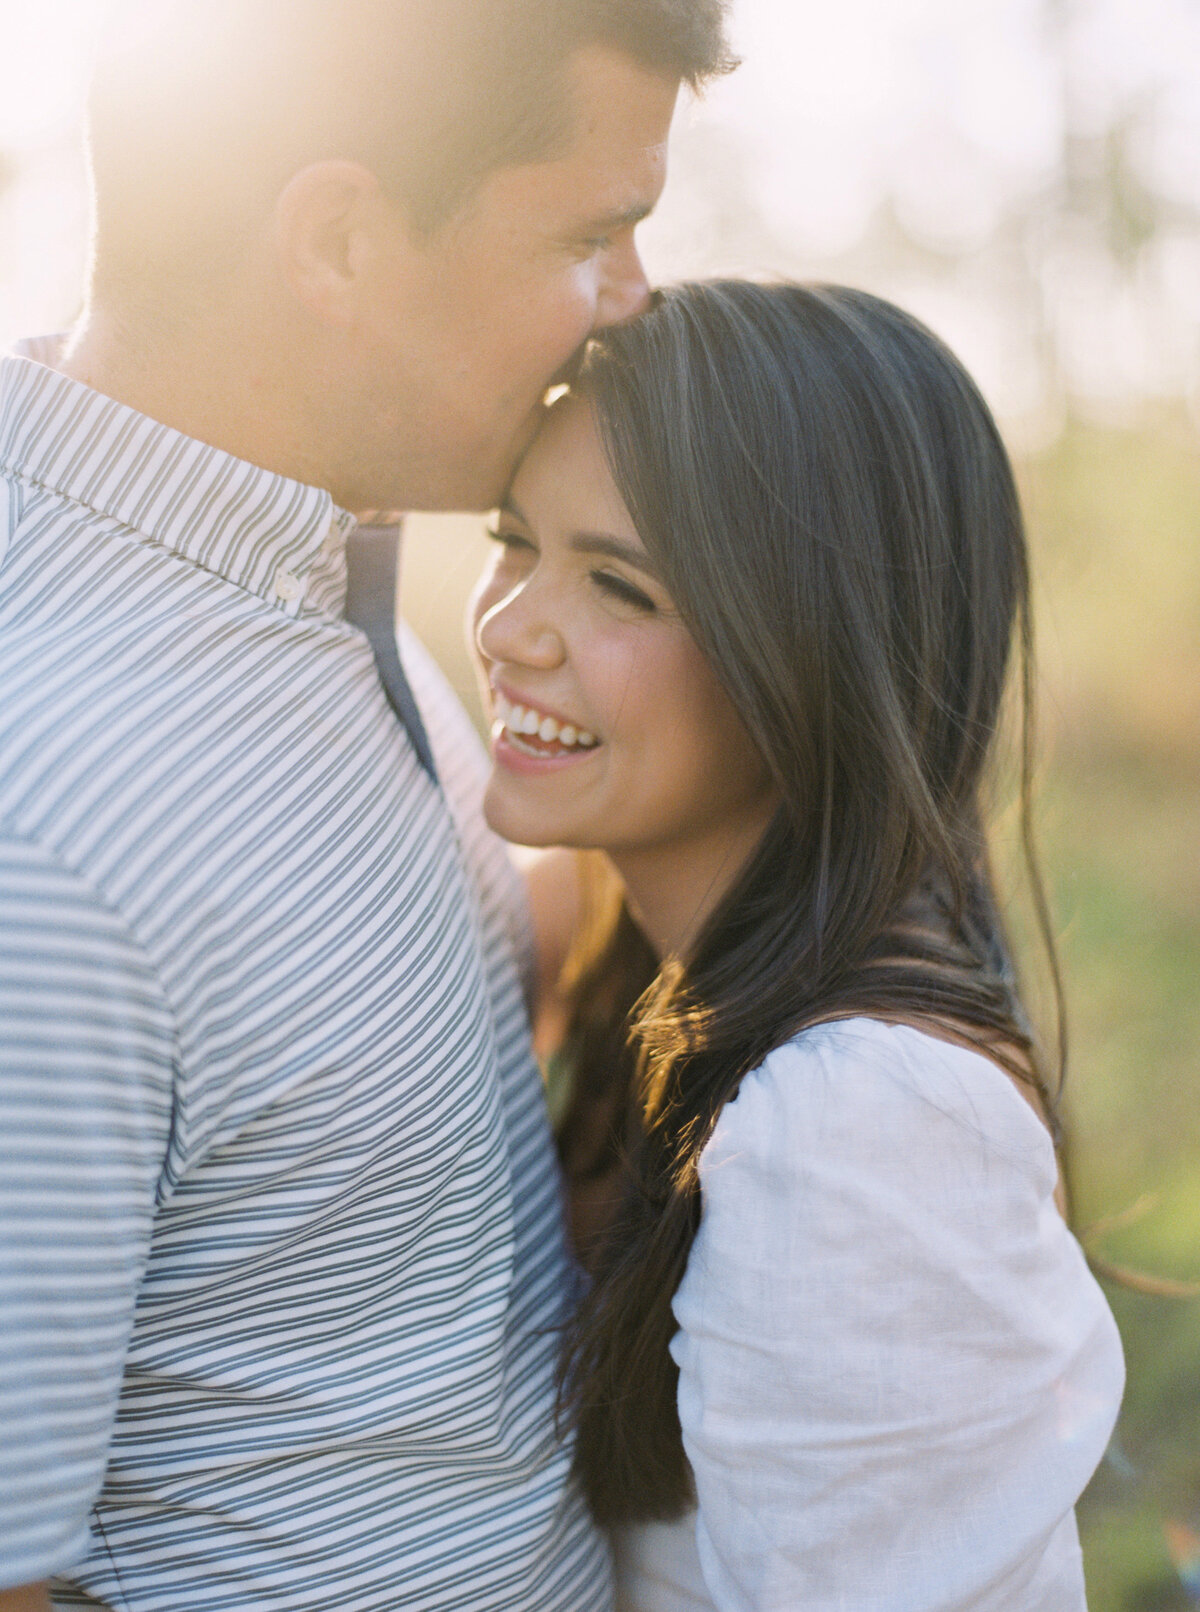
{"type": "Point", "coordinates": [325, 229]}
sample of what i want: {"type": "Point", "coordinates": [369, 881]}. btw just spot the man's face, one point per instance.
{"type": "Point", "coordinates": [463, 331]}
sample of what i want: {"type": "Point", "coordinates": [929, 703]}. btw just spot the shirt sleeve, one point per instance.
{"type": "Point", "coordinates": [896, 1371]}
{"type": "Point", "coordinates": [463, 769]}
{"type": "Point", "coordinates": [86, 1090]}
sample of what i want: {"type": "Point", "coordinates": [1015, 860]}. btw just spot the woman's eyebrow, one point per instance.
{"type": "Point", "coordinates": [617, 548]}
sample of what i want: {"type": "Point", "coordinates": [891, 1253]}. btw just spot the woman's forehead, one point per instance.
{"type": "Point", "coordinates": [564, 480]}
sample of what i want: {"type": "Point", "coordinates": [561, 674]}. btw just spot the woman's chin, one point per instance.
{"type": "Point", "coordinates": [513, 820]}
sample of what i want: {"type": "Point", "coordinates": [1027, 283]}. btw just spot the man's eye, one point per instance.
{"type": "Point", "coordinates": [618, 588]}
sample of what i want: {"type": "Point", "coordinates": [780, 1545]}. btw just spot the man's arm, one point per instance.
{"type": "Point", "coordinates": [86, 1091]}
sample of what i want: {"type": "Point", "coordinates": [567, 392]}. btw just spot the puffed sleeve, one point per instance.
{"type": "Point", "coordinates": [87, 1077]}
{"type": "Point", "coordinates": [896, 1371]}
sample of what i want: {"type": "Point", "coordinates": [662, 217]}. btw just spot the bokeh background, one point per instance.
{"type": "Point", "coordinates": [1025, 175]}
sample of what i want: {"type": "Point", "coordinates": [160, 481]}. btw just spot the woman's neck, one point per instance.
{"type": "Point", "coordinates": [673, 890]}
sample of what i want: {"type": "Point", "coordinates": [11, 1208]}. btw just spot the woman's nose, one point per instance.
{"type": "Point", "coordinates": [514, 631]}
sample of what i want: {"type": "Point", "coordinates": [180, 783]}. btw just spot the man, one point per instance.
{"type": "Point", "coordinates": [281, 1258]}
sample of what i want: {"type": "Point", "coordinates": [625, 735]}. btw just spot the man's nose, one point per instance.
{"type": "Point", "coordinates": [625, 292]}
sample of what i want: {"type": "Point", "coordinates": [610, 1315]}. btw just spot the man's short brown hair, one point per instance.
{"type": "Point", "coordinates": [206, 107]}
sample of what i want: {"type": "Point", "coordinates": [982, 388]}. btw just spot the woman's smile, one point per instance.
{"type": "Point", "coordinates": [610, 730]}
{"type": "Point", "coordinates": [523, 732]}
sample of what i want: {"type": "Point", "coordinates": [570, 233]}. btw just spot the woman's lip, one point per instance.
{"type": "Point", "coordinates": [505, 754]}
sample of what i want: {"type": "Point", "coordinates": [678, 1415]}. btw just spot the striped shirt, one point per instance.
{"type": "Point", "coordinates": [281, 1258]}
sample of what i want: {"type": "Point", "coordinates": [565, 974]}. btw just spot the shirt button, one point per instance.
{"type": "Point", "coordinates": [288, 585]}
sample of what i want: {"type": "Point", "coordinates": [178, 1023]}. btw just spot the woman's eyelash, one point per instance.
{"type": "Point", "coordinates": [623, 590]}
{"type": "Point", "coordinates": [507, 539]}
{"type": "Point", "coordinates": [616, 586]}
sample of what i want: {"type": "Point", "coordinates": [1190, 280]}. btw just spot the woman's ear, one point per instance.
{"type": "Point", "coordinates": [326, 229]}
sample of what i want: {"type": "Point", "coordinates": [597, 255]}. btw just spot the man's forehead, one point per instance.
{"type": "Point", "coordinates": [610, 171]}
{"type": "Point", "coordinates": [611, 184]}
{"type": "Point", "coordinates": [618, 106]}
{"type": "Point", "coordinates": [599, 194]}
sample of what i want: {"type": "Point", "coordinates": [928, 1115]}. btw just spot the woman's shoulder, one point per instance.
{"type": "Point", "coordinates": [885, 1326]}
{"type": "Point", "coordinates": [896, 1095]}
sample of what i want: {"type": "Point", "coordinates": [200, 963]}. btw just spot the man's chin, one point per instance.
{"type": "Point", "coordinates": [463, 482]}
{"type": "Point", "coordinates": [486, 481]}
{"type": "Point", "coordinates": [471, 489]}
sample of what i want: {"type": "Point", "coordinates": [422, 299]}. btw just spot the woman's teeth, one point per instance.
{"type": "Point", "coordinates": [523, 723]}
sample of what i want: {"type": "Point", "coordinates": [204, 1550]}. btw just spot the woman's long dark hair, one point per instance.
{"type": "Point", "coordinates": [828, 501]}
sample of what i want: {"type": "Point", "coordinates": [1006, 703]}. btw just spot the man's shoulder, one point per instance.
{"type": "Point", "coordinates": [77, 618]}
{"type": "Point", "coordinates": [133, 682]}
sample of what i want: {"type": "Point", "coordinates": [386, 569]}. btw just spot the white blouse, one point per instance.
{"type": "Point", "coordinates": [896, 1371]}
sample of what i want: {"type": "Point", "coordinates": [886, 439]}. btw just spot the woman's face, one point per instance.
{"type": "Point", "coordinates": [609, 730]}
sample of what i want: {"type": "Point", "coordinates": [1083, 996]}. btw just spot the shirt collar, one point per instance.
{"type": "Point", "coordinates": [248, 525]}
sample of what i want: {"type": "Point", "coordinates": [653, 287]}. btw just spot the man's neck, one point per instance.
{"type": "Point", "coordinates": [199, 379]}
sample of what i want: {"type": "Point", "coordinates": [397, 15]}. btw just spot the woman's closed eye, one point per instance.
{"type": "Point", "coordinates": [618, 587]}
{"type": "Point", "coordinates": [515, 555]}
{"type": "Point", "coordinates": [506, 538]}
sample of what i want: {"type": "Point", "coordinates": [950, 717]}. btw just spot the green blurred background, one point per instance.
{"type": "Point", "coordinates": [1025, 175]}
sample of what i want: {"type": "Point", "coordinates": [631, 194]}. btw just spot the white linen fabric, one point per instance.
{"type": "Point", "coordinates": [281, 1245]}
{"type": "Point", "coordinates": [896, 1371]}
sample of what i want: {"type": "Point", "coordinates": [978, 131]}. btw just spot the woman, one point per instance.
{"type": "Point", "coordinates": [747, 633]}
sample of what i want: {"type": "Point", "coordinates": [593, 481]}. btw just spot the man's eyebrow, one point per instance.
{"type": "Point", "coordinates": [617, 548]}
{"type": "Point", "coordinates": [613, 223]}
